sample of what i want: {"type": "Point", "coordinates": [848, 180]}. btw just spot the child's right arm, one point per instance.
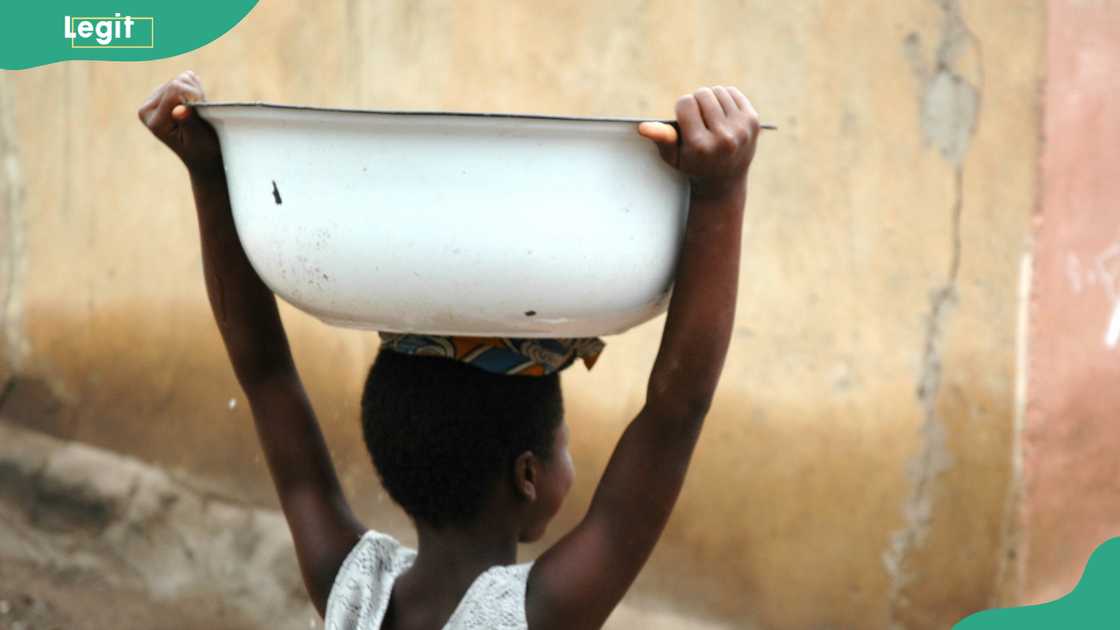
{"type": "Point", "coordinates": [323, 527]}
{"type": "Point", "coordinates": [579, 581]}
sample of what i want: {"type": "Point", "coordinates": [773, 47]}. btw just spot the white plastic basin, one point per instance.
{"type": "Point", "coordinates": [461, 224]}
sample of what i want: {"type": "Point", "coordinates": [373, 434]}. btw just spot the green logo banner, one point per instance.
{"type": "Point", "coordinates": [41, 32]}
{"type": "Point", "coordinates": [1093, 603]}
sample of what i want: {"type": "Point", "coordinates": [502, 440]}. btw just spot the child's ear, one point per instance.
{"type": "Point", "coordinates": [525, 476]}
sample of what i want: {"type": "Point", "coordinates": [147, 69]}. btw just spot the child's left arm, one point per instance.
{"type": "Point", "coordinates": [323, 527]}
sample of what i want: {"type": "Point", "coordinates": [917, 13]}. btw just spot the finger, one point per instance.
{"type": "Point", "coordinates": [740, 99]}
{"type": "Point", "coordinates": [180, 112]}
{"type": "Point", "coordinates": [157, 112]}
{"type": "Point", "coordinates": [153, 99]}
{"type": "Point", "coordinates": [150, 103]}
{"type": "Point", "coordinates": [191, 79]}
{"type": "Point", "coordinates": [184, 94]}
{"type": "Point", "coordinates": [191, 94]}
{"type": "Point", "coordinates": [725, 100]}
{"type": "Point", "coordinates": [745, 105]}
{"type": "Point", "coordinates": [145, 110]}
{"type": "Point", "coordinates": [710, 109]}
{"type": "Point", "coordinates": [691, 122]}
{"type": "Point", "coordinates": [670, 153]}
{"type": "Point", "coordinates": [659, 132]}
{"type": "Point", "coordinates": [753, 122]}
{"type": "Point", "coordinates": [163, 119]}
{"type": "Point", "coordinates": [665, 137]}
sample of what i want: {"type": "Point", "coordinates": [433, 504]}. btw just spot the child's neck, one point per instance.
{"type": "Point", "coordinates": [462, 553]}
{"type": "Point", "coordinates": [447, 562]}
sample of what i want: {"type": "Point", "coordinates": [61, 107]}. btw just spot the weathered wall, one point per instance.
{"type": "Point", "coordinates": [1071, 440]}
{"type": "Point", "coordinates": [856, 465]}
{"type": "Point", "coordinates": [11, 242]}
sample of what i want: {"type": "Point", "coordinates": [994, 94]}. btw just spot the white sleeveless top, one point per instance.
{"type": "Point", "coordinates": [360, 595]}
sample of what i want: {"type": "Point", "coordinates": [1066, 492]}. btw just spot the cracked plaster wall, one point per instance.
{"type": "Point", "coordinates": [857, 461]}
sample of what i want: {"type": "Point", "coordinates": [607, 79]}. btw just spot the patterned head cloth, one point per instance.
{"type": "Point", "coordinates": [523, 357]}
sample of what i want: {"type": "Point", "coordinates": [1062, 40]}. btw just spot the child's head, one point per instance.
{"type": "Point", "coordinates": [450, 440]}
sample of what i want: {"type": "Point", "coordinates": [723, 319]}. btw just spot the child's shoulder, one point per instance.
{"type": "Point", "coordinates": [495, 600]}
{"type": "Point", "coordinates": [375, 546]}
{"type": "Point", "coordinates": [364, 582]}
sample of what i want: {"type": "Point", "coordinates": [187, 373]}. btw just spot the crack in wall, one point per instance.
{"type": "Point", "coordinates": [11, 246]}
{"type": "Point", "coordinates": [949, 114]}
{"type": "Point", "coordinates": [934, 456]}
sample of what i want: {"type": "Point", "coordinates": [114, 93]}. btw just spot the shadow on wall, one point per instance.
{"type": "Point", "coordinates": [177, 403]}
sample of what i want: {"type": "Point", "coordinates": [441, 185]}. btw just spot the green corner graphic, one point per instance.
{"type": "Point", "coordinates": [41, 33]}
{"type": "Point", "coordinates": [1093, 603]}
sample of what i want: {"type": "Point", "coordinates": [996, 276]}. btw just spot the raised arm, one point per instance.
{"type": "Point", "coordinates": [579, 581]}
{"type": "Point", "coordinates": [323, 527]}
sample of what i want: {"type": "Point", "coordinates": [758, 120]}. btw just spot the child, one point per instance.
{"type": "Point", "coordinates": [480, 460]}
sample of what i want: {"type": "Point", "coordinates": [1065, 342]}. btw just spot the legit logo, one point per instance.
{"type": "Point", "coordinates": [111, 32]}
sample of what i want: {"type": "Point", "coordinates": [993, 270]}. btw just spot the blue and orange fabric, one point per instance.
{"type": "Point", "coordinates": [500, 355]}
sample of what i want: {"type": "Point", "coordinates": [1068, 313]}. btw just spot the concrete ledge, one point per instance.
{"type": "Point", "coordinates": [81, 527]}
{"type": "Point", "coordinates": [68, 508]}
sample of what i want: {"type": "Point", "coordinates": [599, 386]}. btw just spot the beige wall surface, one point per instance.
{"type": "Point", "coordinates": [855, 470]}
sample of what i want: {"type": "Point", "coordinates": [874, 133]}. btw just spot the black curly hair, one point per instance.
{"type": "Point", "coordinates": [441, 433]}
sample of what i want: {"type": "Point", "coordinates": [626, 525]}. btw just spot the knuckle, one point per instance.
{"type": "Point", "coordinates": [704, 145]}
{"type": "Point", "coordinates": [725, 138]}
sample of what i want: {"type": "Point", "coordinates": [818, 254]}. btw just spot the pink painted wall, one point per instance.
{"type": "Point", "coordinates": [1072, 437]}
